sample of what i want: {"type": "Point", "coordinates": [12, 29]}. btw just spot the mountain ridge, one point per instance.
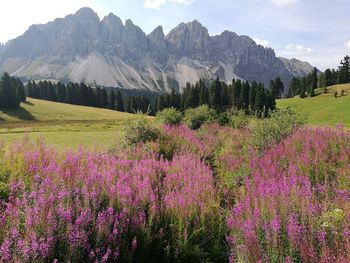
{"type": "Point", "coordinates": [83, 47]}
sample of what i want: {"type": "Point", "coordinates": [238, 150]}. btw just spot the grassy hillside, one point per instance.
{"type": "Point", "coordinates": [324, 109]}
{"type": "Point", "coordinates": [40, 110]}
{"type": "Point", "coordinates": [64, 125]}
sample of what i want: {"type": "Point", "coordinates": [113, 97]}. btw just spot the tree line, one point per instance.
{"type": "Point", "coordinates": [75, 93]}
{"type": "Point", "coordinates": [252, 97]}
{"type": "Point", "coordinates": [12, 92]}
{"type": "Point", "coordinates": [305, 86]}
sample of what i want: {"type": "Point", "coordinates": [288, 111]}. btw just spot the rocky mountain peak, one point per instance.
{"type": "Point", "coordinates": [190, 39]}
{"type": "Point", "coordinates": [129, 23]}
{"type": "Point", "coordinates": [112, 21]}
{"type": "Point", "coordinates": [86, 13]}
{"type": "Point", "coordinates": [80, 47]}
{"type": "Point", "coordinates": [134, 37]}
{"type": "Point", "coordinates": [157, 37]}
{"type": "Point", "coordinates": [112, 29]}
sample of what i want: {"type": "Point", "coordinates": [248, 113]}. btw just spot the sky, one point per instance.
{"type": "Point", "coordinates": [317, 31]}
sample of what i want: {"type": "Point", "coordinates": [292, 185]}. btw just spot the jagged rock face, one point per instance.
{"type": "Point", "coordinates": [190, 40]}
{"type": "Point", "coordinates": [80, 47]}
{"type": "Point", "coordinates": [134, 38]}
{"type": "Point", "coordinates": [296, 67]}
{"type": "Point", "coordinates": [157, 38]}
{"type": "Point", "coordinates": [112, 30]}
{"type": "Point", "coordinates": [231, 46]}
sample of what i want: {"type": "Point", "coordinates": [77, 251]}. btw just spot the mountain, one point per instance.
{"type": "Point", "coordinates": [81, 47]}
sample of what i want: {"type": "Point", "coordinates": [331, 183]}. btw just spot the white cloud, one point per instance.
{"type": "Point", "coordinates": [284, 2]}
{"type": "Point", "coordinates": [348, 45]}
{"type": "Point", "coordinates": [262, 42]}
{"type": "Point", "coordinates": [156, 4]}
{"type": "Point", "coordinates": [299, 49]}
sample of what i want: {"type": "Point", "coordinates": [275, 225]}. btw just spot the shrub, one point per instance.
{"type": "Point", "coordinates": [139, 130]}
{"type": "Point", "coordinates": [195, 118]}
{"type": "Point", "coordinates": [169, 116]}
{"type": "Point", "coordinates": [281, 123]}
{"type": "Point", "coordinates": [239, 119]}
{"type": "Point", "coordinates": [224, 118]}
{"type": "Point", "coordinates": [4, 191]}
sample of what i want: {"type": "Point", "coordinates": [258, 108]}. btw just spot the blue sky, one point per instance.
{"type": "Point", "coordinates": [317, 31]}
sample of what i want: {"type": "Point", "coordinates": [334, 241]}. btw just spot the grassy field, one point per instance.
{"type": "Point", "coordinates": [63, 125]}
{"type": "Point", "coordinates": [324, 109]}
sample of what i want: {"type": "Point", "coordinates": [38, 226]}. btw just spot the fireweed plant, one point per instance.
{"type": "Point", "coordinates": [188, 196]}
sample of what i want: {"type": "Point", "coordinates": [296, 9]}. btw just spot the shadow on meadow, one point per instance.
{"type": "Point", "coordinates": [20, 113]}
{"type": "Point", "coordinates": [28, 103]}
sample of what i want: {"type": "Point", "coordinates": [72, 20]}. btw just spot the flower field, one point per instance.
{"type": "Point", "coordinates": [189, 196]}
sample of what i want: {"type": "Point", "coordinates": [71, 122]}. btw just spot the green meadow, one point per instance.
{"type": "Point", "coordinates": [69, 126]}
{"type": "Point", "coordinates": [323, 109]}
{"type": "Point", "coordinates": [62, 125]}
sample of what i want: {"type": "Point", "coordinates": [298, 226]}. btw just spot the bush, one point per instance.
{"type": "Point", "coordinates": [139, 130]}
{"type": "Point", "coordinates": [4, 191]}
{"type": "Point", "coordinates": [169, 116]}
{"type": "Point", "coordinates": [195, 118]}
{"type": "Point", "coordinates": [224, 118]}
{"type": "Point", "coordinates": [239, 119]}
{"type": "Point", "coordinates": [281, 123]}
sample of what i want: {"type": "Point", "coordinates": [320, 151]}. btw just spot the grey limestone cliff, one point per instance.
{"type": "Point", "coordinates": [81, 47]}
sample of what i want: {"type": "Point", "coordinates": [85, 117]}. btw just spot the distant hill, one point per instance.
{"type": "Point", "coordinates": [324, 109]}
{"type": "Point", "coordinates": [81, 47]}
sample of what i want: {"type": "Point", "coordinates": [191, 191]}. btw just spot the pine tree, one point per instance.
{"type": "Point", "coordinates": [8, 92]}
{"type": "Point", "coordinates": [215, 93]}
{"type": "Point", "coordinates": [252, 94]}
{"type": "Point", "coordinates": [119, 102]}
{"type": "Point", "coordinates": [344, 70]}
{"type": "Point", "coordinates": [224, 97]}
{"type": "Point", "coordinates": [185, 100]}
{"type": "Point", "coordinates": [314, 81]}
{"type": "Point", "coordinates": [36, 92]}
{"type": "Point", "coordinates": [194, 97]}
{"type": "Point", "coordinates": [270, 103]}
{"type": "Point", "coordinates": [104, 99]}
{"type": "Point", "coordinates": [30, 91]}
{"type": "Point", "coordinates": [61, 92]}
{"type": "Point", "coordinates": [245, 95]}
{"type": "Point", "coordinates": [51, 92]}
{"type": "Point", "coordinates": [328, 77]}
{"type": "Point", "coordinates": [21, 91]}
{"type": "Point", "coordinates": [159, 103]}
{"type": "Point", "coordinates": [279, 88]}
{"type": "Point", "coordinates": [84, 94]}
{"type": "Point", "coordinates": [112, 101]}
{"type": "Point", "coordinates": [70, 93]}
{"type": "Point", "coordinates": [302, 87]}
{"type": "Point", "coordinates": [129, 105]}
{"type": "Point", "coordinates": [78, 99]}
{"type": "Point", "coordinates": [293, 88]}
{"type": "Point", "coordinates": [237, 94]}
{"type": "Point", "coordinates": [90, 96]}
{"type": "Point", "coordinates": [335, 76]}
{"type": "Point", "coordinates": [203, 93]}
{"type": "Point", "coordinates": [259, 101]}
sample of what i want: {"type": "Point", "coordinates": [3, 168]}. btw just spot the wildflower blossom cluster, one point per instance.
{"type": "Point", "coordinates": [190, 196]}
